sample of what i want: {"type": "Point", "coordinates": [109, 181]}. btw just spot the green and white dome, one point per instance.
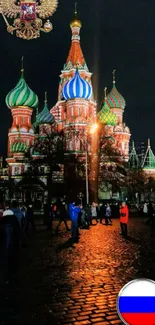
{"type": "Point", "coordinates": [106, 116]}
{"type": "Point", "coordinates": [21, 95]}
{"type": "Point", "coordinates": [45, 117]}
{"type": "Point", "coordinates": [19, 147]}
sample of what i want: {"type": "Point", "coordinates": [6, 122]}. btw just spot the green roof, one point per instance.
{"type": "Point", "coordinates": [149, 160]}
{"type": "Point", "coordinates": [106, 116]}
{"type": "Point", "coordinates": [19, 147]}
{"type": "Point", "coordinates": [22, 95]}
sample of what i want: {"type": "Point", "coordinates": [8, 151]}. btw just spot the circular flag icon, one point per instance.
{"type": "Point", "coordinates": [136, 302]}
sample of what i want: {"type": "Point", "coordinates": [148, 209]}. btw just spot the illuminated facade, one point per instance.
{"type": "Point", "coordinates": [21, 101]}
{"type": "Point", "coordinates": [111, 116]}
{"type": "Point", "coordinates": [75, 109]}
{"type": "Point", "coordinates": [74, 112]}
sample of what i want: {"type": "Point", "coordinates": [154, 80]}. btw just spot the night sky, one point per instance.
{"type": "Point", "coordinates": [116, 34]}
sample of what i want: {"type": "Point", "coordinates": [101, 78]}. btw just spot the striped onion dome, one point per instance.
{"type": "Point", "coordinates": [106, 116]}
{"type": "Point", "coordinates": [22, 95]}
{"type": "Point", "coordinates": [77, 88]}
{"type": "Point", "coordinates": [114, 98]}
{"type": "Point", "coordinates": [18, 146]}
{"type": "Point", "coordinates": [45, 117]}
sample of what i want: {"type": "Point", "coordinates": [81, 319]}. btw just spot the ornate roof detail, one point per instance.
{"type": "Point", "coordinates": [149, 159]}
{"type": "Point", "coordinates": [75, 54]}
{"type": "Point", "coordinates": [105, 115]}
{"type": "Point", "coordinates": [114, 98]}
{"type": "Point", "coordinates": [77, 87]}
{"type": "Point", "coordinates": [45, 117]}
{"type": "Point", "coordinates": [133, 158]}
{"type": "Point", "coordinates": [18, 147]}
{"type": "Point", "coordinates": [21, 95]}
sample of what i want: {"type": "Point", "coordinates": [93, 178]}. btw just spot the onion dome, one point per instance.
{"type": "Point", "coordinates": [45, 117]}
{"type": "Point", "coordinates": [77, 88]}
{"type": "Point", "coordinates": [114, 98]}
{"type": "Point", "coordinates": [18, 147]}
{"type": "Point", "coordinates": [21, 95]}
{"type": "Point", "coordinates": [106, 116]}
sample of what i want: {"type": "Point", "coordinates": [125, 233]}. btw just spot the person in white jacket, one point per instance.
{"type": "Point", "coordinates": [94, 212]}
{"type": "Point", "coordinates": [145, 209]}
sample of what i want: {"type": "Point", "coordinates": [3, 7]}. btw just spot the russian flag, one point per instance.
{"type": "Point", "coordinates": [136, 302]}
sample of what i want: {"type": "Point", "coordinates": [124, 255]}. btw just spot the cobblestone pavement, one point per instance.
{"type": "Point", "coordinates": [77, 284]}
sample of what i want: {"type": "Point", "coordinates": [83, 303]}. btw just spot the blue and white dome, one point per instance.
{"type": "Point", "coordinates": [77, 88]}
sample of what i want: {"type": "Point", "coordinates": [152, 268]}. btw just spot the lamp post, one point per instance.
{"type": "Point", "coordinates": [87, 185]}
{"type": "Point", "coordinates": [92, 130]}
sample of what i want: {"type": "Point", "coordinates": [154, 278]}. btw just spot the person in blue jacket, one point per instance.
{"type": "Point", "coordinates": [74, 210]}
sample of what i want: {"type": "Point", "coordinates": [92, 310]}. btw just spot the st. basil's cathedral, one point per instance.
{"type": "Point", "coordinates": [74, 112]}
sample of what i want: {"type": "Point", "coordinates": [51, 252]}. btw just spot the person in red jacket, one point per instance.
{"type": "Point", "coordinates": [124, 216]}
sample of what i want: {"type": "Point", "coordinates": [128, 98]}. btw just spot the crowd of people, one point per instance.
{"type": "Point", "coordinates": [14, 225]}
{"type": "Point", "coordinates": [16, 219]}
{"type": "Point", "coordinates": [149, 212]}
{"type": "Point", "coordinates": [83, 217]}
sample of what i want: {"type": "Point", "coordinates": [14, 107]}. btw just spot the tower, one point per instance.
{"type": "Point", "coordinates": [21, 100]}
{"type": "Point", "coordinates": [116, 101]}
{"type": "Point", "coordinates": [134, 162]}
{"type": "Point", "coordinates": [106, 116]}
{"type": "Point", "coordinates": [148, 163]}
{"type": "Point", "coordinates": [76, 107]}
{"type": "Point", "coordinates": [44, 120]}
{"type": "Point", "coordinates": [121, 132]}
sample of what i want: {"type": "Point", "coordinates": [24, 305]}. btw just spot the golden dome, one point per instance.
{"type": "Point", "coordinates": [76, 23]}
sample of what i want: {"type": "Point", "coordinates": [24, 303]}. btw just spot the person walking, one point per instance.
{"type": "Point", "coordinates": [12, 235]}
{"type": "Point", "coordinates": [17, 212]}
{"type": "Point", "coordinates": [74, 210]}
{"type": "Point", "coordinates": [102, 212]}
{"type": "Point", "coordinates": [108, 215]}
{"type": "Point", "coordinates": [84, 219]}
{"type": "Point", "coordinates": [145, 210]}
{"type": "Point", "coordinates": [150, 221]}
{"type": "Point", "coordinates": [30, 219]}
{"type": "Point", "coordinates": [94, 212]}
{"type": "Point", "coordinates": [88, 214]}
{"type": "Point", "coordinates": [62, 215]}
{"type": "Point", "coordinates": [124, 216]}
{"type": "Point", "coordinates": [1, 211]}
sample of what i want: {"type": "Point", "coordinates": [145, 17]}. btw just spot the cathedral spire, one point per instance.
{"type": "Point", "coordinates": [149, 159]}
{"type": "Point", "coordinates": [133, 158]}
{"type": "Point", "coordinates": [75, 54]}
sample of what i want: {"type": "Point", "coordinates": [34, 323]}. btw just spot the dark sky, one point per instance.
{"type": "Point", "coordinates": [116, 34]}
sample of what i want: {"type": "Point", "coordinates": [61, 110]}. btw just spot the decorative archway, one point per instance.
{"type": "Point", "coordinates": [30, 189]}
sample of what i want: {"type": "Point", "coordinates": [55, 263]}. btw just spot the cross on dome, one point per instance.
{"type": "Point", "coordinates": [45, 101]}
{"type": "Point", "coordinates": [22, 65]}
{"type": "Point", "coordinates": [114, 76]}
{"type": "Point", "coordinates": [75, 10]}
{"type": "Point", "coordinates": [105, 93]}
{"type": "Point", "coordinates": [114, 98]}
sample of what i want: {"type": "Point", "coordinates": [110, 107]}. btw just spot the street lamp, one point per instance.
{"type": "Point", "coordinates": [92, 130]}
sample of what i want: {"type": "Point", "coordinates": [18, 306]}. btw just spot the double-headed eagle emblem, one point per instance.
{"type": "Point", "coordinates": [27, 16]}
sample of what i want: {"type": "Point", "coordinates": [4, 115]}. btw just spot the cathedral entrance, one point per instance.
{"type": "Point", "coordinates": [31, 190]}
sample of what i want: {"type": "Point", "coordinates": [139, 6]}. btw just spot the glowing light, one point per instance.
{"type": "Point", "coordinates": [93, 128]}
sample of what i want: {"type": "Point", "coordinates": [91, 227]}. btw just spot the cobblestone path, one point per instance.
{"type": "Point", "coordinates": [77, 284]}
